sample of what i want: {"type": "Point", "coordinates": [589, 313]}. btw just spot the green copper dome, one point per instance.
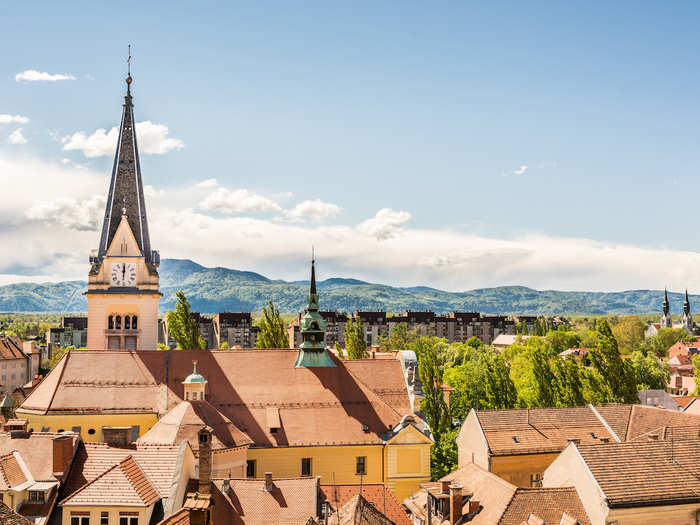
{"type": "Point", "coordinates": [194, 377]}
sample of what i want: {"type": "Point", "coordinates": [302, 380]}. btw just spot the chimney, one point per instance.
{"type": "Point", "coordinates": [204, 460]}
{"type": "Point", "coordinates": [62, 454]}
{"type": "Point", "coordinates": [455, 503]}
{"type": "Point", "coordinates": [268, 481]}
{"type": "Point", "coordinates": [473, 506]}
{"type": "Point", "coordinates": [445, 487]}
{"type": "Point", "coordinates": [374, 354]}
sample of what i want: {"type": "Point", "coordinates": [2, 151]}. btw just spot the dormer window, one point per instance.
{"type": "Point", "coordinates": [515, 439]}
{"type": "Point", "coordinates": [37, 496]}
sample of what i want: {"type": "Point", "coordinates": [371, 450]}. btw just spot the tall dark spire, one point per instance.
{"type": "Point", "coordinates": [312, 283]}
{"type": "Point", "coordinates": [126, 188]}
{"type": "Point", "coordinates": [686, 303]}
{"type": "Point", "coordinates": [665, 305]}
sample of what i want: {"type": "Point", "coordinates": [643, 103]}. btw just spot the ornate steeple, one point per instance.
{"type": "Point", "coordinates": [312, 351]}
{"type": "Point", "coordinates": [126, 188]}
{"type": "Point", "coordinates": [666, 321]}
{"type": "Point", "coordinates": [686, 303]}
{"type": "Point", "coordinates": [687, 318]}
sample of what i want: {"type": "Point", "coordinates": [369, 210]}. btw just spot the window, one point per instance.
{"type": "Point", "coordinates": [36, 496]}
{"type": "Point", "coordinates": [130, 342]}
{"type": "Point", "coordinates": [134, 324]}
{"type": "Point", "coordinates": [250, 468]}
{"type": "Point", "coordinates": [104, 518]}
{"type": "Point", "coordinates": [305, 466]}
{"type": "Point", "coordinates": [361, 465]}
{"type": "Point", "coordinates": [128, 520]}
{"type": "Point", "coordinates": [536, 480]}
{"type": "Point", "coordinates": [114, 342]}
{"type": "Point", "coordinates": [118, 323]}
{"type": "Point", "coordinates": [80, 520]}
{"type": "Point", "coordinates": [127, 322]}
{"type": "Point", "coordinates": [110, 322]}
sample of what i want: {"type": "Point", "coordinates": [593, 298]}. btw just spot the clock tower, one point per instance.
{"type": "Point", "coordinates": [123, 280]}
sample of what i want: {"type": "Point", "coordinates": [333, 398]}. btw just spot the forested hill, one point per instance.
{"type": "Point", "coordinates": [212, 290]}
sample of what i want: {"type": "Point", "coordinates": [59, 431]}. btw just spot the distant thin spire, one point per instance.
{"type": "Point", "coordinates": [686, 303]}
{"type": "Point", "coordinates": [312, 283]}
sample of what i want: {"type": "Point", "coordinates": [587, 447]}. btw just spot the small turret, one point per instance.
{"type": "Point", "coordinates": [666, 321]}
{"type": "Point", "coordinates": [194, 385]}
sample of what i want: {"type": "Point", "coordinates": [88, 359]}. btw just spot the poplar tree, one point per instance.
{"type": "Point", "coordinates": [355, 339]}
{"type": "Point", "coordinates": [182, 326]}
{"type": "Point", "coordinates": [430, 373]}
{"type": "Point", "coordinates": [499, 388]}
{"type": "Point", "coordinates": [273, 333]}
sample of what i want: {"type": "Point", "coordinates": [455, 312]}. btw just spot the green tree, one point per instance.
{"type": "Point", "coordinates": [430, 373]}
{"type": "Point", "coordinates": [56, 354]}
{"type": "Point", "coordinates": [570, 389]}
{"type": "Point", "coordinates": [629, 333]}
{"type": "Point", "coordinates": [225, 345]}
{"type": "Point", "coordinates": [273, 333]}
{"type": "Point", "coordinates": [616, 375]}
{"type": "Point", "coordinates": [355, 345]}
{"type": "Point", "coordinates": [499, 388]}
{"type": "Point", "coordinates": [182, 326]}
{"type": "Point", "coordinates": [399, 338]}
{"type": "Point", "coordinates": [443, 454]}
{"type": "Point", "coordinates": [650, 372]}
{"type": "Point", "coordinates": [563, 340]}
{"type": "Point", "coordinates": [163, 347]}
{"type": "Point", "coordinates": [546, 387]}
{"type": "Point", "coordinates": [696, 373]}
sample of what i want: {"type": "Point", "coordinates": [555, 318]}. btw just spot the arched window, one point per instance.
{"type": "Point", "coordinates": [134, 320]}
{"type": "Point", "coordinates": [127, 322]}
{"type": "Point", "coordinates": [110, 322]}
{"type": "Point", "coordinates": [118, 324]}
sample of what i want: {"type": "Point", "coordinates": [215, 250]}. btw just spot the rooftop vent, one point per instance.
{"type": "Point", "coordinates": [515, 439]}
{"type": "Point", "coordinates": [365, 428]}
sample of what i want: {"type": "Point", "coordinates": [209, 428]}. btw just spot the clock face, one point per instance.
{"type": "Point", "coordinates": [123, 274]}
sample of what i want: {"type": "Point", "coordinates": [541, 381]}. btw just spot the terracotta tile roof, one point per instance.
{"type": "Point", "coordinates": [184, 421]}
{"type": "Point", "coordinates": [359, 511]}
{"type": "Point", "coordinates": [548, 504]}
{"type": "Point", "coordinates": [159, 463]}
{"type": "Point", "coordinates": [617, 416]}
{"type": "Point", "coordinates": [376, 493]}
{"type": "Point", "coordinates": [384, 377]}
{"type": "Point", "coordinates": [292, 501]}
{"type": "Point", "coordinates": [11, 348]}
{"type": "Point", "coordinates": [316, 405]}
{"type": "Point", "coordinates": [684, 401]}
{"type": "Point", "coordinates": [181, 517]}
{"type": "Point", "coordinates": [644, 419]}
{"type": "Point", "coordinates": [122, 484]}
{"type": "Point", "coordinates": [538, 430]}
{"type": "Point", "coordinates": [492, 492]}
{"type": "Point", "coordinates": [36, 451]}
{"type": "Point", "coordinates": [646, 472]}
{"type": "Point", "coordinates": [11, 473]}
{"type": "Point", "coordinates": [8, 517]}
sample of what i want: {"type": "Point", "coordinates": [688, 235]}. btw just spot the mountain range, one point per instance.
{"type": "Point", "coordinates": [212, 290]}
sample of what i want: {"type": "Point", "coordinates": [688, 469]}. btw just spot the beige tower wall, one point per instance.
{"type": "Point", "coordinates": [145, 306]}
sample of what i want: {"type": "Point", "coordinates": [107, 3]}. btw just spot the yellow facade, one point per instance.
{"type": "Point", "coordinates": [55, 423]}
{"type": "Point", "coordinates": [407, 460]}
{"type": "Point", "coordinates": [523, 470]}
{"type": "Point", "coordinates": [113, 513]}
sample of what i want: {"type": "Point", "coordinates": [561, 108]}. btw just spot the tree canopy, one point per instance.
{"type": "Point", "coordinates": [182, 326]}
{"type": "Point", "coordinates": [273, 333]}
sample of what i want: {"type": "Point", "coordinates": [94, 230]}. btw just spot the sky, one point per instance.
{"type": "Point", "coordinates": [457, 145]}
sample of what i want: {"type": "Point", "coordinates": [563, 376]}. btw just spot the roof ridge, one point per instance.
{"type": "Point", "coordinates": [143, 473]}
{"type": "Point", "coordinates": [86, 485]}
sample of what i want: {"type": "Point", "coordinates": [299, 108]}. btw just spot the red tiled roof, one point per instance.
{"type": "Point", "coordinates": [10, 348]}
{"type": "Point", "coordinates": [291, 501]}
{"type": "Point", "coordinates": [684, 401]}
{"type": "Point", "coordinates": [184, 422]}
{"type": "Point", "coordinates": [11, 473]}
{"type": "Point", "coordinates": [36, 450]}
{"type": "Point", "coordinates": [359, 511]}
{"type": "Point", "coordinates": [548, 504]}
{"type": "Point", "coordinates": [8, 517]}
{"type": "Point", "coordinates": [316, 405]}
{"type": "Point", "coordinates": [122, 484]}
{"type": "Point", "coordinates": [376, 493]}
{"type": "Point", "coordinates": [645, 472]}
{"type": "Point", "coordinates": [159, 464]}
{"type": "Point", "coordinates": [181, 517]}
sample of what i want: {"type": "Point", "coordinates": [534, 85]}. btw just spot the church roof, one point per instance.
{"type": "Point", "coordinates": [186, 419]}
{"type": "Point", "coordinates": [253, 388]}
{"type": "Point", "coordinates": [126, 187]}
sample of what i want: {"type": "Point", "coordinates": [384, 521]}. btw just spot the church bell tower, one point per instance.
{"type": "Point", "coordinates": [123, 280]}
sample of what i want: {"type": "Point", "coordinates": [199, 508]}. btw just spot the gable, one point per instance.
{"type": "Point", "coordinates": [409, 436]}
{"type": "Point", "coordinates": [124, 243]}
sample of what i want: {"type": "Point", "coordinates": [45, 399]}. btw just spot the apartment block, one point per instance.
{"type": "Point", "coordinates": [234, 328]}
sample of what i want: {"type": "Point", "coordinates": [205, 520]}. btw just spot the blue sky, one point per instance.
{"type": "Point", "coordinates": [495, 129]}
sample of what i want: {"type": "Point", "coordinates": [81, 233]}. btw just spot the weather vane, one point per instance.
{"type": "Point", "coordinates": [128, 62]}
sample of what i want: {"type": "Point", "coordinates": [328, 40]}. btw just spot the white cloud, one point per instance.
{"type": "Point", "coordinates": [521, 170]}
{"type": "Point", "coordinates": [385, 224]}
{"type": "Point", "coordinates": [152, 139]}
{"type": "Point", "coordinates": [238, 201]}
{"type": "Point", "coordinates": [54, 243]}
{"type": "Point", "coordinates": [207, 183]}
{"type": "Point", "coordinates": [32, 75]}
{"type": "Point", "coordinates": [314, 209]}
{"type": "Point", "coordinates": [13, 119]}
{"type": "Point", "coordinates": [16, 137]}
{"type": "Point", "coordinates": [71, 214]}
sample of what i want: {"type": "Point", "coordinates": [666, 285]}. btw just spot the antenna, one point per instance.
{"type": "Point", "coordinates": [128, 62]}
